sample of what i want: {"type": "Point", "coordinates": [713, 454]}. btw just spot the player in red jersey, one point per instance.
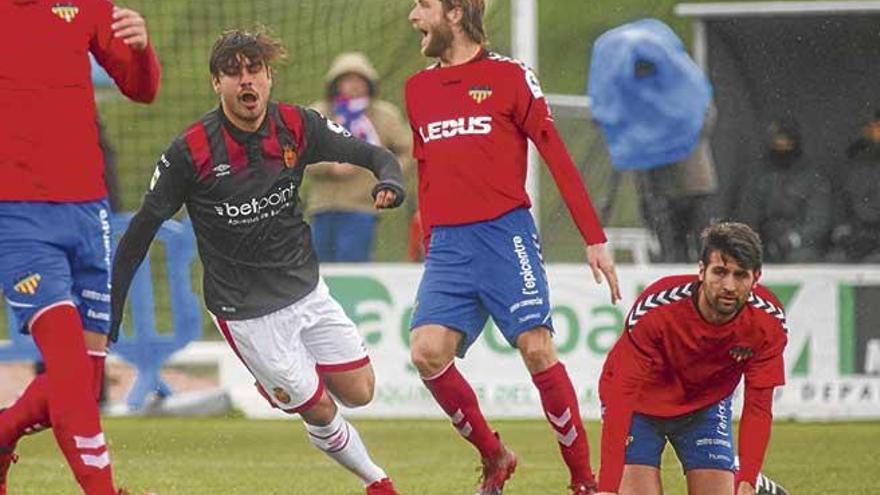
{"type": "Point", "coordinates": [54, 215]}
{"type": "Point", "coordinates": [472, 113]}
{"type": "Point", "coordinates": [689, 340]}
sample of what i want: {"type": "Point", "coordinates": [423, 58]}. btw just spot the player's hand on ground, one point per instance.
{"type": "Point", "coordinates": [745, 488]}
{"type": "Point", "coordinates": [602, 265]}
{"type": "Point", "coordinates": [385, 198]}
{"type": "Point", "coordinates": [131, 27]}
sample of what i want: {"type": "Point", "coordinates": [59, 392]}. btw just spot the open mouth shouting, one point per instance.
{"type": "Point", "coordinates": [249, 99]}
{"type": "Point", "coordinates": [425, 38]}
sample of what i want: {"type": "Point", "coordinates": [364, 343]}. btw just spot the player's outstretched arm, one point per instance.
{"type": "Point", "coordinates": [602, 264]}
{"type": "Point", "coordinates": [130, 253]}
{"type": "Point", "coordinates": [544, 134]}
{"type": "Point", "coordinates": [330, 142]}
{"type": "Point", "coordinates": [168, 190]}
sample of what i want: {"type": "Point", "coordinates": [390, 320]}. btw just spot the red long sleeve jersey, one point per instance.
{"type": "Point", "coordinates": [670, 361]}
{"type": "Point", "coordinates": [470, 127]}
{"type": "Point", "coordinates": [48, 133]}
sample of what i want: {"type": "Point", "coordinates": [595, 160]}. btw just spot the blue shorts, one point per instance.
{"type": "Point", "coordinates": [702, 440]}
{"type": "Point", "coordinates": [486, 268]}
{"type": "Point", "coordinates": [53, 252]}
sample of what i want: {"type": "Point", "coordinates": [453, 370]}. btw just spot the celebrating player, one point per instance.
{"type": "Point", "coordinates": [471, 114]}
{"type": "Point", "coordinates": [54, 214]}
{"type": "Point", "coordinates": [689, 340]}
{"type": "Point", "coordinates": [239, 170]}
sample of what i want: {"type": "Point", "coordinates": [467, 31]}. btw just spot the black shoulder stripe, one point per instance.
{"type": "Point", "coordinates": [658, 299]}
{"type": "Point", "coordinates": [769, 308]}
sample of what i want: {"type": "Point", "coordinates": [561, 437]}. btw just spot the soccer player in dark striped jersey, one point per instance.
{"type": "Point", "coordinates": [472, 114]}
{"type": "Point", "coordinates": [238, 170]}
{"type": "Point", "coordinates": [688, 341]}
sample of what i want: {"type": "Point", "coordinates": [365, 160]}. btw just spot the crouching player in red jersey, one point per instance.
{"type": "Point", "coordinates": [54, 214]}
{"type": "Point", "coordinates": [472, 113]}
{"type": "Point", "coordinates": [688, 342]}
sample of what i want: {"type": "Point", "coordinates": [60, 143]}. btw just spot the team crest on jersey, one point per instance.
{"type": "Point", "coordinates": [67, 11]}
{"type": "Point", "coordinates": [288, 153]}
{"type": "Point", "coordinates": [280, 395]}
{"type": "Point", "coordinates": [28, 285]}
{"type": "Point", "coordinates": [740, 353]}
{"type": "Point", "coordinates": [480, 93]}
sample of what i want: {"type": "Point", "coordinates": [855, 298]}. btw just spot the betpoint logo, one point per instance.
{"type": "Point", "coordinates": [444, 129]}
{"type": "Point", "coordinates": [255, 206]}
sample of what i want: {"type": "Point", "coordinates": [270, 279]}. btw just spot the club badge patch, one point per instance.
{"type": "Point", "coordinates": [480, 93]}
{"type": "Point", "coordinates": [66, 11]}
{"type": "Point", "coordinates": [289, 156]}
{"type": "Point", "coordinates": [740, 354]}
{"type": "Point", "coordinates": [28, 285]}
{"type": "Point", "coordinates": [280, 395]}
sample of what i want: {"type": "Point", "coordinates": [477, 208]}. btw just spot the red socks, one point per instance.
{"type": "Point", "coordinates": [558, 398]}
{"type": "Point", "coordinates": [561, 409]}
{"type": "Point", "coordinates": [459, 402]}
{"type": "Point", "coordinates": [73, 410]}
{"type": "Point", "coordinates": [30, 413]}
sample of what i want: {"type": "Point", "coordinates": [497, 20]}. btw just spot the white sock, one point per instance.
{"type": "Point", "coordinates": [340, 441]}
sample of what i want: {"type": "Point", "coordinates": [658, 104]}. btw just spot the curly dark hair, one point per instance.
{"type": "Point", "coordinates": [235, 46]}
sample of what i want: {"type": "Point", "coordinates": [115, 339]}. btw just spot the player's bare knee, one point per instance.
{"type": "Point", "coordinates": [428, 359]}
{"type": "Point", "coordinates": [538, 359]}
{"type": "Point", "coordinates": [321, 413]}
{"type": "Point", "coordinates": [536, 348]}
{"type": "Point", "coordinates": [359, 395]}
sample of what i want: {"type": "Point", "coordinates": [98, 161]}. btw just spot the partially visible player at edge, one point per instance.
{"type": "Point", "coordinates": [238, 170]}
{"type": "Point", "coordinates": [471, 114]}
{"type": "Point", "coordinates": [688, 341]}
{"type": "Point", "coordinates": [54, 214]}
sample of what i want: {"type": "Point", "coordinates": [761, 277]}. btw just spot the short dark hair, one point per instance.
{"type": "Point", "coordinates": [256, 45]}
{"type": "Point", "coordinates": [472, 17]}
{"type": "Point", "coordinates": [733, 239]}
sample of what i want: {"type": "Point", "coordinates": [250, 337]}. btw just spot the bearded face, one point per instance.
{"type": "Point", "coordinates": [725, 287]}
{"type": "Point", "coordinates": [428, 17]}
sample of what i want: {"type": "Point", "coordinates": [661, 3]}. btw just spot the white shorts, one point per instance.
{"type": "Point", "coordinates": [286, 349]}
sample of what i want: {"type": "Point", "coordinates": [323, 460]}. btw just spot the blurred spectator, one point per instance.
{"type": "Point", "coordinates": [675, 199]}
{"type": "Point", "coordinates": [653, 104]}
{"type": "Point", "coordinates": [787, 201]}
{"type": "Point", "coordinates": [856, 238]}
{"type": "Point", "coordinates": [343, 217]}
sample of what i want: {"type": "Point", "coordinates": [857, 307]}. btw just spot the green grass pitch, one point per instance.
{"type": "Point", "coordinates": [237, 456]}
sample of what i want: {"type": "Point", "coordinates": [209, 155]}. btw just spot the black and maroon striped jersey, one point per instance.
{"type": "Point", "coordinates": [241, 190]}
